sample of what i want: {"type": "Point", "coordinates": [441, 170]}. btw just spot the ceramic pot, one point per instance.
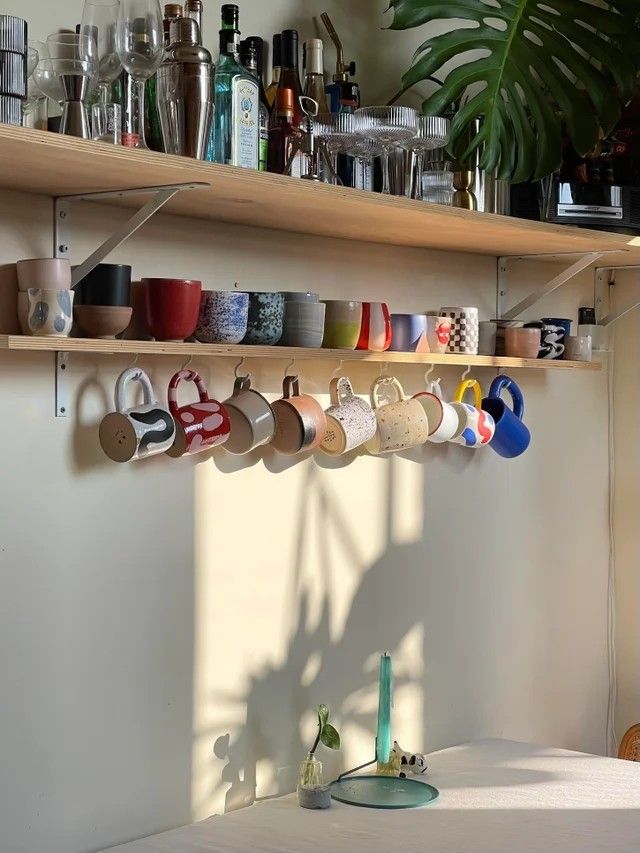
{"type": "Point", "coordinates": [266, 319]}
{"type": "Point", "coordinates": [102, 321]}
{"type": "Point", "coordinates": [106, 284]}
{"type": "Point", "coordinates": [342, 323]}
{"type": "Point", "coordinates": [50, 312]}
{"type": "Point", "coordinates": [408, 333]}
{"type": "Point", "coordinates": [44, 274]}
{"type": "Point", "coordinates": [303, 324]}
{"type": "Point", "coordinates": [375, 330]}
{"type": "Point", "coordinates": [171, 307]}
{"type": "Point", "coordinates": [223, 317]}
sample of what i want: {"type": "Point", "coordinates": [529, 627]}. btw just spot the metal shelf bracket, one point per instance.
{"type": "Point", "coordinates": [605, 279]}
{"type": "Point", "coordinates": [552, 285]}
{"type": "Point", "coordinates": [62, 221]}
{"type": "Point", "coordinates": [62, 384]}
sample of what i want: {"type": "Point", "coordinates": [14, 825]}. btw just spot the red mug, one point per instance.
{"type": "Point", "coordinates": [375, 331]}
{"type": "Point", "coordinates": [199, 426]}
{"type": "Point", "coordinates": [170, 307]}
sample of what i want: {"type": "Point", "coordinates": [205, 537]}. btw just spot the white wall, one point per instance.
{"type": "Point", "coordinates": [165, 626]}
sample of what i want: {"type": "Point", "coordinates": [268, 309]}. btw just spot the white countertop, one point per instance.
{"type": "Point", "coordinates": [495, 796]}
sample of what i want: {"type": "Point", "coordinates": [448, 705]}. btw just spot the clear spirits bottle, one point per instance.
{"type": "Point", "coordinates": [251, 57]}
{"type": "Point", "coordinates": [236, 127]}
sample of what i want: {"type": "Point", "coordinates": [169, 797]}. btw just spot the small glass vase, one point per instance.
{"type": "Point", "coordinates": [310, 773]}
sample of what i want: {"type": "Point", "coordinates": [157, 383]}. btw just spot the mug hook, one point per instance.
{"type": "Point", "coordinates": [385, 368]}
{"type": "Point", "coordinates": [237, 367]}
{"type": "Point", "coordinates": [289, 367]}
{"type": "Point", "coordinates": [187, 363]}
{"type": "Point", "coordinates": [134, 362]}
{"type": "Point", "coordinates": [338, 369]}
{"type": "Point", "coordinates": [428, 374]}
{"type": "Point", "coordinates": [466, 373]}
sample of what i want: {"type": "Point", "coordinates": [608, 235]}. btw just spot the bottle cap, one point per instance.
{"type": "Point", "coordinates": [314, 56]}
{"type": "Point", "coordinates": [277, 50]}
{"type": "Point", "coordinates": [230, 16]}
{"type": "Point", "coordinates": [173, 10]}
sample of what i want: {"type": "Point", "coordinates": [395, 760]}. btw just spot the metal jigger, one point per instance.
{"type": "Point", "coordinates": [74, 121]}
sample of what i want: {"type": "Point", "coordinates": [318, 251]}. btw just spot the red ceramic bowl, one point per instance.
{"type": "Point", "coordinates": [170, 307]}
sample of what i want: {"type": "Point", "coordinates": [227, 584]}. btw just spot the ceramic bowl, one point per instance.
{"type": "Point", "coordinates": [106, 284]}
{"type": "Point", "coordinates": [44, 273]}
{"type": "Point", "coordinates": [171, 307]}
{"type": "Point", "coordinates": [102, 321]}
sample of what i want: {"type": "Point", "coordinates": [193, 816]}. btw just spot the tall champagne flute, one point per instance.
{"type": "Point", "coordinates": [99, 19]}
{"type": "Point", "coordinates": [140, 46]}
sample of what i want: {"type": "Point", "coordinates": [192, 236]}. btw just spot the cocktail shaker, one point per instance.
{"type": "Point", "coordinates": [185, 92]}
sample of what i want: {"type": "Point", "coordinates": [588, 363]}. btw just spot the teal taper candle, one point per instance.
{"type": "Point", "coordinates": [385, 687]}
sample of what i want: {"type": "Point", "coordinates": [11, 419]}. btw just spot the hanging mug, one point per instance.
{"type": "Point", "coordinates": [252, 420]}
{"type": "Point", "coordinates": [199, 426]}
{"type": "Point", "coordinates": [351, 421]}
{"type": "Point", "coordinates": [511, 437]}
{"type": "Point", "coordinates": [138, 432]}
{"type": "Point", "coordinates": [476, 427]}
{"type": "Point", "coordinates": [400, 423]}
{"type": "Point", "coordinates": [443, 418]}
{"type": "Point", "coordinates": [300, 420]}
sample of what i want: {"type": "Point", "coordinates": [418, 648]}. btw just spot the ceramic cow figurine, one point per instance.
{"type": "Point", "coordinates": [408, 762]}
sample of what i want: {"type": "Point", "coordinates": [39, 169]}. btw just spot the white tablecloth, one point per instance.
{"type": "Point", "coordinates": [495, 796]}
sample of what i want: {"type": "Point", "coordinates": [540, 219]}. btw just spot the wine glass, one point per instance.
{"type": "Point", "coordinates": [335, 132]}
{"type": "Point", "coordinates": [433, 132]}
{"type": "Point", "coordinates": [99, 18]}
{"type": "Point", "coordinates": [390, 126]}
{"type": "Point", "coordinates": [140, 46]}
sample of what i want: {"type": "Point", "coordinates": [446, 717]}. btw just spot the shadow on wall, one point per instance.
{"type": "Point", "coordinates": [395, 599]}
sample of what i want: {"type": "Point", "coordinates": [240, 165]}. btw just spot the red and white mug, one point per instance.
{"type": "Point", "coordinates": [201, 425]}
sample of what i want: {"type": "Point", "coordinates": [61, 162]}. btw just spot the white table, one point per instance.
{"type": "Point", "coordinates": [495, 796]}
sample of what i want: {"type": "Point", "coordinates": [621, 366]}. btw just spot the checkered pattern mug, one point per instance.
{"type": "Point", "coordinates": [465, 330]}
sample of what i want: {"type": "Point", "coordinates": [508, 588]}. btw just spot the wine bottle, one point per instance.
{"type": "Point", "coordinates": [290, 80]}
{"type": "Point", "coordinates": [276, 64]}
{"type": "Point", "coordinates": [282, 131]}
{"type": "Point", "coordinates": [236, 125]}
{"type": "Point", "coordinates": [251, 52]}
{"type": "Point", "coordinates": [314, 85]}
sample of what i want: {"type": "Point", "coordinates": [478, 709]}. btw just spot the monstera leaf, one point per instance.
{"type": "Point", "coordinates": [542, 63]}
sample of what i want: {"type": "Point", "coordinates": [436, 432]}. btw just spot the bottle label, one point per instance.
{"type": "Point", "coordinates": [264, 151]}
{"type": "Point", "coordinates": [245, 123]}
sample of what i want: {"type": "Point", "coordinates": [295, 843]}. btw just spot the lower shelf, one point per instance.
{"type": "Point", "coordinates": [35, 344]}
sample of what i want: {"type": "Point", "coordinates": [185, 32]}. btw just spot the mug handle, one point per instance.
{"type": "Point", "coordinates": [242, 383]}
{"type": "Point", "coordinates": [341, 390]}
{"type": "Point", "coordinates": [469, 385]}
{"type": "Point", "coordinates": [505, 383]}
{"type": "Point", "coordinates": [187, 376]}
{"type": "Point", "coordinates": [385, 380]}
{"type": "Point", "coordinates": [290, 387]}
{"type": "Point", "coordinates": [133, 374]}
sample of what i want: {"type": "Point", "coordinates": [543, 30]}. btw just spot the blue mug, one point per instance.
{"type": "Point", "coordinates": [408, 333]}
{"type": "Point", "coordinates": [511, 437]}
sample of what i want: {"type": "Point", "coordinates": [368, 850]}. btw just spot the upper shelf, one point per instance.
{"type": "Point", "coordinates": [50, 164]}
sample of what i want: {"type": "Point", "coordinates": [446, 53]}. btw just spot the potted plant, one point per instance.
{"type": "Point", "coordinates": [312, 792]}
{"type": "Point", "coordinates": [542, 67]}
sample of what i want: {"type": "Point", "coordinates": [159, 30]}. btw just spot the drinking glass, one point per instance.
{"type": "Point", "coordinates": [99, 18]}
{"type": "Point", "coordinates": [336, 133]}
{"type": "Point", "coordinates": [106, 123]}
{"type": "Point", "coordinates": [140, 46]}
{"type": "Point", "coordinates": [389, 126]}
{"type": "Point", "coordinates": [433, 132]}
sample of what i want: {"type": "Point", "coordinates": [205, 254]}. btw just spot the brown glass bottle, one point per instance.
{"type": "Point", "coordinates": [282, 131]}
{"type": "Point", "coordinates": [276, 64]}
{"type": "Point", "coordinates": [290, 74]}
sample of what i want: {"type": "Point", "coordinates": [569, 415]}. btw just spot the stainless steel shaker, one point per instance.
{"type": "Point", "coordinates": [185, 92]}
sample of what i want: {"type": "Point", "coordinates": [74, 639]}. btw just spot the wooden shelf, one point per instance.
{"type": "Point", "coordinates": [47, 163]}
{"type": "Point", "coordinates": [156, 348]}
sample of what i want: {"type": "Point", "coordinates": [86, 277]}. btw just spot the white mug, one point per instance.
{"type": "Point", "coordinates": [351, 421]}
{"type": "Point", "coordinates": [578, 348]}
{"type": "Point", "coordinates": [50, 312]}
{"type": "Point", "coordinates": [442, 417]}
{"type": "Point", "coordinates": [401, 423]}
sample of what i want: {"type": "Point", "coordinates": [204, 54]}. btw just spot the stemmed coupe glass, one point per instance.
{"type": "Point", "coordinates": [336, 133]}
{"type": "Point", "coordinates": [99, 19]}
{"type": "Point", "coordinates": [140, 46]}
{"type": "Point", "coordinates": [390, 127]}
{"type": "Point", "coordinates": [433, 132]}
{"type": "Point", "coordinates": [365, 151]}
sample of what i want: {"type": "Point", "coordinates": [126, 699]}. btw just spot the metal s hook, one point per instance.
{"type": "Point", "coordinates": [428, 373]}
{"type": "Point", "coordinates": [289, 367]}
{"type": "Point", "coordinates": [134, 362]}
{"type": "Point", "coordinates": [338, 369]}
{"type": "Point", "coordinates": [385, 369]}
{"type": "Point", "coordinates": [237, 367]}
{"type": "Point", "coordinates": [187, 363]}
{"type": "Point", "coordinates": [466, 373]}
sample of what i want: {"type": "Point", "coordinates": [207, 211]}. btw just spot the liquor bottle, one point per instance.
{"type": "Point", "coordinates": [283, 132]}
{"type": "Point", "coordinates": [172, 11]}
{"type": "Point", "coordinates": [193, 10]}
{"type": "Point", "coordinates": [276, 63]}
{"type": "Point", "coordinates": [236, 127]}
{"type": "Point", "coordinates": [251, 51]}
{"type": "Point", "coordinates": [314, 85]}
{"type": "Point", "coordinates": [290, 79]}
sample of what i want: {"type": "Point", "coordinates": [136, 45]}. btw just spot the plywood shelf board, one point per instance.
{"type": "Point", "coordinates": [47, 163]}
{"type": "Point", "coordinates": [156, 348]}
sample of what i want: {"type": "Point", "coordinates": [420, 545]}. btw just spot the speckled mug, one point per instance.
{"type": "Point", "coordinates": [351, 421]}
{"type": "Point", "coordinates": [266, 319]}
{"type": "Point", "coordinates": [50, 312]}
{"type": "Point", "coordinates": [223, 317]}
{"type": "Point", "coordinates": [400, 423]}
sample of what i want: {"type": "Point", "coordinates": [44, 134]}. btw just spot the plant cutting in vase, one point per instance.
{"type": "Point", "coordinates": [542, 67]}
{"type": "Point", "coordinates": [312, 792]}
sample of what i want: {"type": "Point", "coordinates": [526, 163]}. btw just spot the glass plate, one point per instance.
{"type": "Point", "coordinates": [383, 792]}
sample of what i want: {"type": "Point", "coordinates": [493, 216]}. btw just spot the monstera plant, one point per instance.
{"type": "Point", "coordinates": [529, 68]}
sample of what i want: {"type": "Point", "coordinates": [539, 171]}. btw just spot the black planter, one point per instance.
{"type": "Point", "coordinates": [107, 284]}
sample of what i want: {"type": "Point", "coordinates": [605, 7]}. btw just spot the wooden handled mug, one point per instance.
{"type": "Point", "coordinates": [140, 431]}
{"type": "Point", "coordinates": [475, 426]}
{"type": "Point", "coordinates": [401, 423]}
{"type": "Point", "coordinates": [199, 426]}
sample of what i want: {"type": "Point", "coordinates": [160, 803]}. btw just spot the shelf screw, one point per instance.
{"type": "Point", "coordinates": [63, 214]}
{"type": "Point", "coordinates": [62, 410]}
{"type": "Point", "coordinates": [63, 248]}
